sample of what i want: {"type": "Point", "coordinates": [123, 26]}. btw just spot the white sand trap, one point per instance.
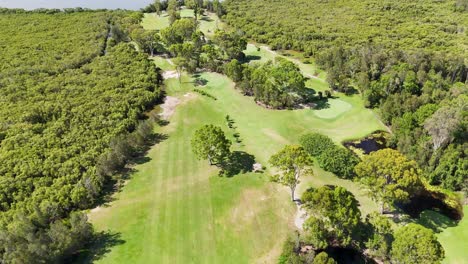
{"type": "Point", "coordinates": [169, 106]}
{"type": "Point", "coordinates": [300, 218]}
{"type": "Point", "coordinates": [337, 107]}
{"type": "Point", "coordinates": [170, 74]}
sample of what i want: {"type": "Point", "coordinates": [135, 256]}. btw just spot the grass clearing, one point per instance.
{"type": "Point", "coordinates": [453, 236]}
{"type": "Point", "coordinates": [176, 210]}
{"type": "Point", "coordinates": [336, 107]}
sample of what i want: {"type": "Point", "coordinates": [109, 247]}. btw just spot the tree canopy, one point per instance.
{"type": "Point", "coordinates": [66, 95]}
{"type": "Point", "coordinates": [416, 244]}
{"type": "Point", "coordinates": [292, 161]}
{"type": "Point", "coordinates": [209, 142]}
{"type": "Point", "coordinates": [389, 176]}
{"type": "Point", "coordinates": [335, 211]}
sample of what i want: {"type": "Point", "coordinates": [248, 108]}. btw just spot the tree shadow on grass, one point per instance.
{"type": "Point", "coordinates": [100, 245]}
{"type": "Point", "coordinates": [435, 221]}
{"type": "Point", "coordinates": [117, 181]}
{"type": "Point", "coordinates": [249, 58]}
{"type": "Point", "coordinates": [238, 162]}
{"type": "Point", "coordinates": [207, 19]}
{"type": "Point", "coordinates": [321, 104]}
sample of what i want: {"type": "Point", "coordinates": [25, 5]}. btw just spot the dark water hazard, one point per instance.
{"type": "Point", "coordinates": [430, 201]}
{"type": "Point", "coordinates": [371, 143]}
{"type": "Point", "coordinates": [348, 256]}
{"type": "Point", "coordinates": [59, 4]}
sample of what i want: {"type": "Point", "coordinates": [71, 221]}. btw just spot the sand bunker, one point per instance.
{"type": "Point", "coordinates": [169, 106]}
{"type": "Point", "coordinates": [170, 74]}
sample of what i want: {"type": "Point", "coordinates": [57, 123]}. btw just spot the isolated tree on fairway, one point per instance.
{"type": "Point", "coordinates": [416, 244]}
{"type": "Point", "coordinates": [209, 142]}
{"type": "Point", "coordinates": [389, 176]}
{"type": "Point", "coordinates": [292, 161]}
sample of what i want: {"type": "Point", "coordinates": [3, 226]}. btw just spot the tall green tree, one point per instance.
{"type": "Point", "coordinates": [157, 7]}
{"type": "Point", "coordinates": [232, 43]}
{"type": "Point", "coordinates": [209, 142]}
{"type": "Point", "coordinates": [316, 143]}
{"type": "Point", "coordinates": [416, 244]}
{"type": "Point", "coordinates": [338, 211]}
{"type": "Point", "coordinates": [380, 236]}
{"type": "Point", "coordinates": [389, 176]}
{"type": "Point", "coordinates": [292, 161]}
{"type": "Point", "coordinates": [172, 11]}
{"type": "Point", "coordinates": [147, 40]}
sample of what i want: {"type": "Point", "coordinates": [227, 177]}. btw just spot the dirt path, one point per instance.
{"type": "Point", "coordinates": [300, 217]}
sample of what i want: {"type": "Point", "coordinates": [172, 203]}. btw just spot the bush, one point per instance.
{"type": "Point", "coordinates": [315, 143]}
{"type": "Point", "coordinates": [338, 160]}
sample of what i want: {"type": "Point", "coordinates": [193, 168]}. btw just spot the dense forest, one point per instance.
{"type": "Point", "coordinates": [408, 59]}
{"type": "Point", "coordinates": [73, 97]}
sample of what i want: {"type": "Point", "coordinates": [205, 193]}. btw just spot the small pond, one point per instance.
{"type": "Point", "coordinates": [347, 256]}
{"type": "Point", "coordinates": [373, 142]}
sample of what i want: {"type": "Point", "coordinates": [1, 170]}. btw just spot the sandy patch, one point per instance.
{"type": "Point", "coordinates": [300, 217]}
{"type": "Point", "coordinates": [170, 74]}
{"type": "Point", "coordinates": [169, 106]}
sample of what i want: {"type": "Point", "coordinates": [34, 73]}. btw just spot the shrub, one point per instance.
{"type": "Point", "coordinates": [315, 143]}
{"type": "Point", "coordinates": [338, 160]}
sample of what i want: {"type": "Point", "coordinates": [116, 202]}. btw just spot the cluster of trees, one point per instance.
{"type": "Point", "coordinates": [335, 222]}
{"type": "Point", "coordinates": [330, 157]}
{"type": "Point", "coordinates": [334, 218]}
{"type": "Point", "coordinates": [412, 67]}
{"type": "Point", "coordinates": [172, 6]}
{"type": "Point", "coordinates": [68, 102]}
{"type": "Point", "coordinates": [277, 84]}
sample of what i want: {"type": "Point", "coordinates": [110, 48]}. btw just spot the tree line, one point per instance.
{"type": "Point", "coordinates": [73, 97]}
{"type": "Point", "coordinates": [407, 59]}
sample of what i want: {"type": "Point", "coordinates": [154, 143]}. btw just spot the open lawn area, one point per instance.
{"type": "Point", "coordinates": [453, 236]}
{"type": "Point", "coordinates": [176, 209]}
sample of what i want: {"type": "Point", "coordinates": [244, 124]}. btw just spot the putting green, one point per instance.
{"type": "Point", "coordinates": [333, 109]}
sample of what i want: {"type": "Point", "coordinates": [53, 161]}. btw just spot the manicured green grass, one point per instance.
{"type": "Point", "coordinates": [164, 64]}
{"type": "Point", "coordinates": [175, 209]}
{"type": "Point", "coordinates": [453, 236]}
{"type": "Point", "coordinates": [334, 108]}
